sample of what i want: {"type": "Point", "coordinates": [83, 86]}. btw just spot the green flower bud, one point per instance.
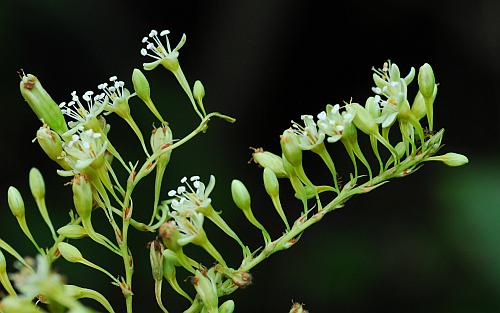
{"type": "Point", "coordinates": [271, 182]}
{"type": "Point", "coordinates": [72, 231]}
{"type": "Point", "coordinates": [240, 195]}
{"type": "Point", "coordinates": [198, 91]}
{"type": "Point", "coordinates": [400, 149]}
{"type": "Point", "coordinates": [207, 291]}
{"type": "Point", "coordinates": [42, 104]}
{"type": "Point", "coordinates": [82, 195]}
{"type": "Point", "coordinates": [16, 202]}
{"type": "Point", "coordinates": [269, 160]}
{"type": "Point", "coordinates": [290, 148]}
{"type": "Point", "coordinates": [37, 185]}
{"type": "Point", "coordinates": [426, 80]}
{"type": "Point", "coordinates": [227, 307]}
{"type": "Point", "coordinates": [364, 120]}
{"type": "Point", "coordinates": [451, 159]}
{"type": "Point", "coordinates": [51, 144]}
{"type": "Point", "coordinates": [69, 252]}
{"type": "Point", "coordinates": [141, 85]}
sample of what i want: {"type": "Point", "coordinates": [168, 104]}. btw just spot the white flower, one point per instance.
{"type": "Point", "coordinates": [308, 135]}
{"type": "Point", "coordinates": [86, 148]}
{"type": "Point", "coordinates": [191, 200]}
{"type": "Point", "coordinates": [43, 280]}
{"type": "Point", "coordinates": [114, 97]}
{"type": "Point", "coordinates": [157, 50]}
{"type": "Point", "coordinates": [190, 227]}
{"type": "Point", "coordinates": [333, 122]}
{"type": "Point", "coordinates": [82, 112]}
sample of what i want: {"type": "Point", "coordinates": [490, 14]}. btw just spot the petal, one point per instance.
{"type": "Point", "coordinates": [210, 186]}
{"type": "Point", "coordinates": [151, 66]}
{"type": "Point", "coordinates": [181, 43]}
{"type": "Point", "coordinates": [389, 120]}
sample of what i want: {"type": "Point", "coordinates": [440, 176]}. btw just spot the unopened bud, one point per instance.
{"type": "Point", "coordinates": [72, 231]}
{"type": "Point", "coordinates": [271, 183]}
{"type": "Point", "coordinates": [426, 80]}
{"type": "Point", "coordinates": [141, 85]}
{"type": "Point", "coordinates": [169, 234]}
{"type": "Point", "coordinates": [269, 160]}
{"type": "Point", "coordinates": [198, 91]}
{"type": "Point", "coordinates": [156, 259]}
{"type": "Point", "coordinates": [50, 142]}
{"type": "Point", "coordinates": [400, 149]}
{"type": "Point", "coordinates": [69, 252]}
{"type": "Point", "coordinates": [227, 307]}
{"type": "Point", "coordinates": [372, 107]}
{"type": "Point", "coordinates": [82, 195]}
{"type": "Point", "coordinates": [451, 159]}
{"type": "Point", "coordinates": [42, 104]}
{"type": "Point", "coordinates": [418, 107]}
{"type": "Point", "coordinates": [290, 148]}
{"type": "Point", "coordinates": [240, 194]}
{"type": "Point", "coordinates": [16, 202]}
{"type": "Point", "coordinates": [37, 185]}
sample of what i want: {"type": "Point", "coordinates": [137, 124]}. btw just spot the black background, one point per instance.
{"type": "Point", "coordinates": [426, 243]}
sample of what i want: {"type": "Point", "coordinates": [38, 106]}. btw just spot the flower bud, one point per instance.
{"type": "Point", "coordinates": [451, 159]}
{"type": "Point", "coordinates": [290, 148]}
{"type": "Point", "coordinates": [426, 80]}
{"type": "Point", "coordinates": [37, 185]}
{"type": "Point", "coordinates": [72, 231]}
{"type": "Point", "coordinates": [271, 183]}
{"type": "Point", "coordinates": [227, 307]}
{"type": "Point", "coordinates": [207, 291]}
{"type": "Point", "coordinates": [141, 85]}
{"type": "Point", "coordinates": [269, 160]}
{"type": "Point", "coordinates": [16, 202]}
{"type": "Point", "coordinates": [69, 252]}
{"type": "Point", "coordinates": [82, 195]}
{"type": "Point", "coordinates": [400, 149]}
{"type": "Point", "coordinates": [50, 142]}
{"type": "Point", "coordinates": [198, 91]}
{"type": "Point", "coordinates": [364, 120]}
{"type": "Point", "coordinates": [42, 104]}
{"type": "Point", "coordinates": [240, 195]}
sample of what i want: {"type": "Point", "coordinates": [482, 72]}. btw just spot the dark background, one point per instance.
{"type": "Point", "coordinates": [426, 243]}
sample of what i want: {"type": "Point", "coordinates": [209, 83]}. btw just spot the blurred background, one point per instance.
{"type": "Point", "coordinates": [426, 243]}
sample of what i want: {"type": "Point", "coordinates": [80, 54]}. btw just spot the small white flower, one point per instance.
{"type": "Point", "coordinates": [308, 135]}
{"type": "Point", "coordinates": [190, 227]}
{"type": "Point", "coordinates": [86, 148]}
{"type": "Point", "coordinates": [191, 199]}
{"type": "Point", "coordinates": [333, 122]}
{"type": "Point", "coordinates": [82, 112]}
{"type": "Point", "coordinates": [158, 51]}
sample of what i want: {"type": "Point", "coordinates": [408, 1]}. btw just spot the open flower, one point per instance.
{"type": "Point", "coordinates": [191, 200]}
{"type": "Point", "coordinates": [82, 112]}
{"type": "Point", "coordinates": [161, 54]}
{"type": "Point", "coordinates": [114, 97]}
{"type": "Point", "coordinates": [333, 123]}
{"type": "Point", "coordinates": [308, 135]}
{"type": "Point", "coordinates": [85, 149]}
{"type": "Point", "coordinates": [190, 228]}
